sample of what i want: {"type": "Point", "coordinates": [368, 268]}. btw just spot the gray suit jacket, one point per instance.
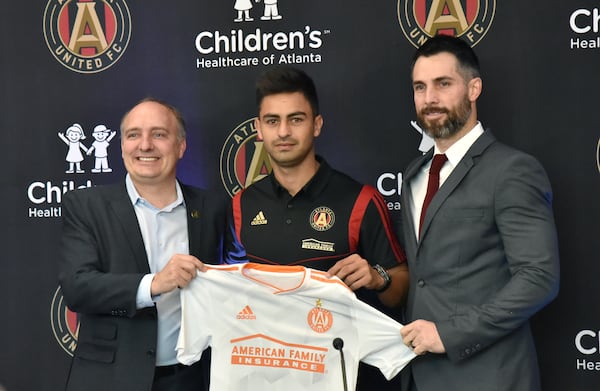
{"type": "Point", "coordinates": [486, 262]}
{"type": "Point", "coordinates": [102, 262]}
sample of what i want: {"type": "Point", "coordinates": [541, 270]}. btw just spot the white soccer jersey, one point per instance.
{"type": "Point", "coordinates": [272, 328]}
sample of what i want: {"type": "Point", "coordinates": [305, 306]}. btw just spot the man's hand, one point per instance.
{"type": "Point", "coordinates": [356, 272]}
{"type": "Point", "coordinates": [177, 273]}
{"type": "Point", "coordinates": [422, 337]}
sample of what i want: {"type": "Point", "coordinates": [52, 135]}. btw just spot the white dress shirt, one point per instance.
{"type": "Point", "coordinates": [418, 185]}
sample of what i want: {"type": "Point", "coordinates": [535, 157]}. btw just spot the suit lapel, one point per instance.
{"type": "Point", "coordinates": [194, 207]}
{"type": "Point", "coordinates": [457, 175]}
{"type": "Point", "coordinates": [120, 204]}
{"type": "Point", "coordinates": [407, 200]}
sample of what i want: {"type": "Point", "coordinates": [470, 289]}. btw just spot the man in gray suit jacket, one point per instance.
{"type": "Point", "coordinates": [127, 249]}
{"type": "Point", "coordinates": [483, 258]}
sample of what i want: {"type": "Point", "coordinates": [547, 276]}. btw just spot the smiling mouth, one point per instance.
{"type": "Point", "coordinates": [147, 159]}
{"type": "Point", "coordinates": [434, 111]}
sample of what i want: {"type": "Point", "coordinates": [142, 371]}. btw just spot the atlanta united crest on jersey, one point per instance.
{"type": "Point", "coordinates": [272, 328]}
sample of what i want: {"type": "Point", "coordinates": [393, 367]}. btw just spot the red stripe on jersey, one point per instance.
{"type": "Point", "coordinates": [356, 217]}
{"type": "Point", "coordinates": [236, 204]}
{"type": "Point", "coordinates": [387, 224]}
{"type": "Point", "coordinates": [367, 194]}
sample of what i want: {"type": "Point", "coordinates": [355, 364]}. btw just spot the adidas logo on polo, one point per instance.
{"type": "Point", "coordinates": [246, 313]}
{"type": "Point", "coordinates": [259, 219]}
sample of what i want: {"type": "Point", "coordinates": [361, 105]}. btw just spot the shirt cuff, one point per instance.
{"type": "Point", "coordinates": [144, 297]}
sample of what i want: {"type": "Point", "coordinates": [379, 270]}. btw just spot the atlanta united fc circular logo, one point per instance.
{"type": "Point", "coordinates": [243, 158]}
{"type": "Point", "coordinates": [322, 218]}
{"type": "Point", "coordinates": [65, 323]}
{"type": "Point", "coordinates": [87, 36]}
{"type": "Point", "coordinates": [598, 155]}
{"type": "Point", "coordinates": [319, 319]}
{"type": "Point", "coordinates": [468, 19]}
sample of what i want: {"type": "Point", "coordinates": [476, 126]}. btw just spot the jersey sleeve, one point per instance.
{"type": "Point", "coordinates": [380, 342]}
{"type": "Point", "coordinates": [196, 307]}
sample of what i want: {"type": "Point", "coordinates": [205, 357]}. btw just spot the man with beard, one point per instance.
{"type": "Point", "coordinates": [482, 251]}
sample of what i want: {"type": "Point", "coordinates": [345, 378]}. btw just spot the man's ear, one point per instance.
{"type": "Point", "coordinates": [318, 125]}
{"type": "Point", "coordinates": [475, 86]}
{"type": "Point", "coordinates": [257, 127]}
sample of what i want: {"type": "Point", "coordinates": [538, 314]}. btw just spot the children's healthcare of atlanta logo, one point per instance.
{"type": "Point", "coordinates": [468, 19]}
{"type": "Point", "coordinates": [87, 36]}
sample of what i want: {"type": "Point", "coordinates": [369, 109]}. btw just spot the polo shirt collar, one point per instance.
{"type": "Point", "coordinates": [315, 185]}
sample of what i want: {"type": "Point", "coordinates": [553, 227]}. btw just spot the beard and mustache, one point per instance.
{"type": "Point", "coordinates": [455, 120]}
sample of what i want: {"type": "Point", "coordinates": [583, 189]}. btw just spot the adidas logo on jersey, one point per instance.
{"type": "Point", "coordinates": [259, 219]}
{"type": "Point", "coordinates": [246, 313]}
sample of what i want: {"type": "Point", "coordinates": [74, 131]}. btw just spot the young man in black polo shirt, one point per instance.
{"type": "Point", "coordinates": [306, 213]}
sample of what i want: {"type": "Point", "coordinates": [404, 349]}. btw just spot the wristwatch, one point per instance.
{"type": "Point", "coordinates": [387, 280]}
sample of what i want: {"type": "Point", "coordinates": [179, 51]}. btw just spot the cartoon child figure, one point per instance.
{"type": "Point", "coordinates": [243, 8]}
{"type": "Point", "coordinates": [102, 135]}
{"type": "Point", "coordinates": [271, 12]}
{"type": "Point", "coordinates": [72, 138]}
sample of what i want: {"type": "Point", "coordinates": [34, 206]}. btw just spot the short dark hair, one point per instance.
{"type": "Point", "coordinates": [468, 62]}
{"type": "Point", "coordinates": [286, 79]}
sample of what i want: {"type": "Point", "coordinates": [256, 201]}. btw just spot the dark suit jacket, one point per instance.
{"type": "Point", "coordinates": [102, 262]}
{"type": "Point", "coordinates": [487, 261]}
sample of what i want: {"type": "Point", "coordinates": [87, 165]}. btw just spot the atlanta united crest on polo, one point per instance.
{"type": "Point", "coordinates": [332, 217]}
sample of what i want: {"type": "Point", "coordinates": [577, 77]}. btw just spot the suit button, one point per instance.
{"type": "Point", "coordinates": [151, 352]}
{"type": "Point", "coordinates": [421, 283]}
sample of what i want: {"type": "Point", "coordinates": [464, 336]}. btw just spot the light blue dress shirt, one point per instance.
{"type": "Point", "coordinates": [165, 233]}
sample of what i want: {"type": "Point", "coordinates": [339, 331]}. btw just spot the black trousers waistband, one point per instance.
{"type": "Point", "coordinates": [169, 370]}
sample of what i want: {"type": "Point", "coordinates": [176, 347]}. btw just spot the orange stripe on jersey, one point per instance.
{"type": "Point", "coordinates": [329, 280]}
{"type": "Point", "coordinates": [248, 267]}
{"type": "Point", "coordinates": [278, 341]}
{"type": "Point", "coordinates": [226, 268]}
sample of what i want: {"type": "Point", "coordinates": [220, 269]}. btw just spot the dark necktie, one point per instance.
{"type": "Point", "coordinates": [433, 184]}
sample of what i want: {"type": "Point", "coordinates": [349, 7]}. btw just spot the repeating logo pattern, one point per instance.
{"type": "Point", "coordinates": [65, 323]}
{"type": "Point", "coordinates": [598, 155]}
{"type": "Point", "coordinates": [73, 137]}
{"type": "Point", "coordinates": [422, 19]}
{"type": "Point", "coordinates": [243, 158]}
{"type": "Point", "coordinates": [87, 36]}
{"type": "Point", "coordinates": [243, 8]}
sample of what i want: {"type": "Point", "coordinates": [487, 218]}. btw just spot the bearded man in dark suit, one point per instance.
{"type": "Point", "coordinates": [483, 257]}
